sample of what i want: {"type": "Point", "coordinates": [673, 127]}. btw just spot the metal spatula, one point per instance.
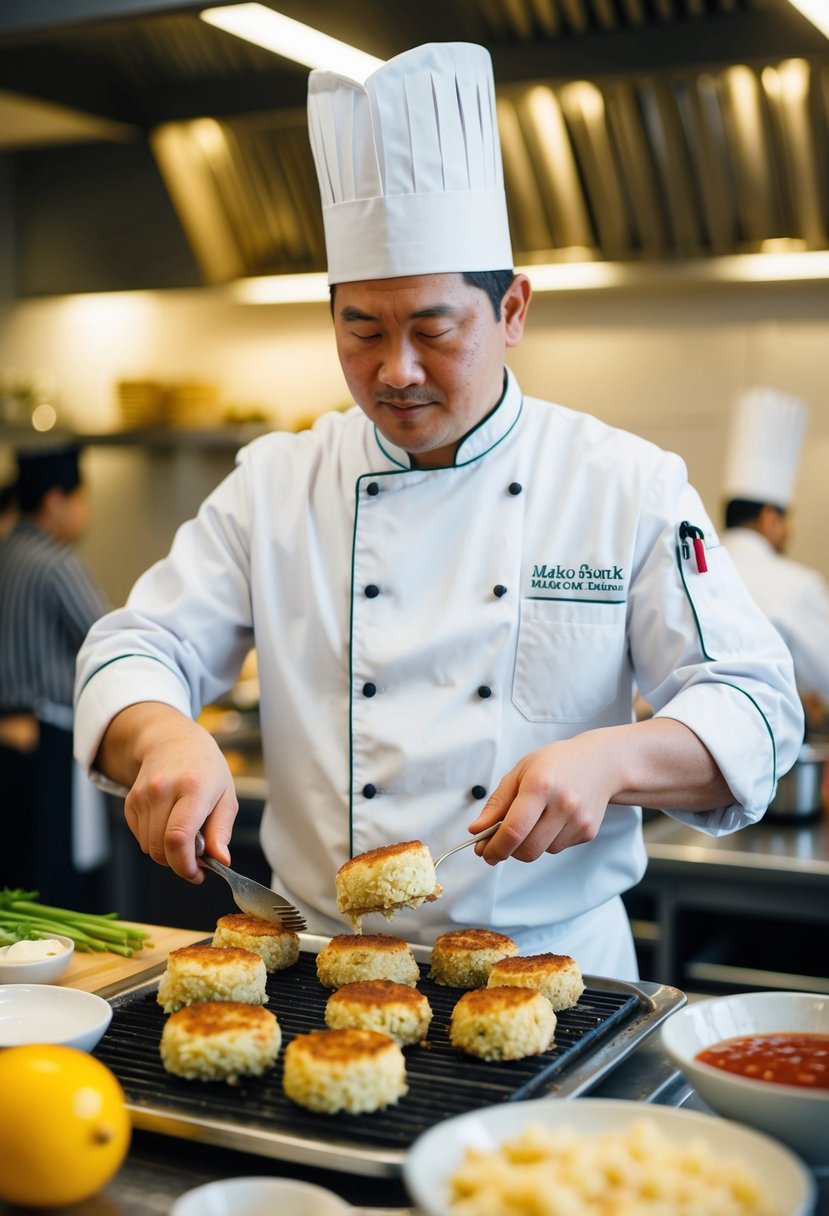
{"type": "Point", "coordinates": [484, 835]}
{"type": "Point", "coordinates": [251, 896]}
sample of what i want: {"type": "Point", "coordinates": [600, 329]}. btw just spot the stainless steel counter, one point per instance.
{"type": "Point", "coordinates": [748, 910]}
{"type": "Point", "coordinates": [765, 849]}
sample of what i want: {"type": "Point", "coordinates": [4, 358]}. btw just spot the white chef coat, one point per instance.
{"type": "Point", "coordinates": [418, 631]}
{"type": "Point", "coordinates": [793, 597]}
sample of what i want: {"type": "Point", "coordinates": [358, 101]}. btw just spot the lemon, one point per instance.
{"type": "Point", "coordinates": [64, 1125]}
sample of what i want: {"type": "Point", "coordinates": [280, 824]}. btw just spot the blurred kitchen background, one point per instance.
{"type": "Point", "coordinates": [667, 166]}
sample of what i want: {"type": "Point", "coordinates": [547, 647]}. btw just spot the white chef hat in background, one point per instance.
{"type": "Point", "coordinates": [409, 166]}
{"type": "Point", "coordinates": [764, 446]}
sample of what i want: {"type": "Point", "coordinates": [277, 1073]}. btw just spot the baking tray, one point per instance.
{"type": "Point", "coordinates": [610, 1020]}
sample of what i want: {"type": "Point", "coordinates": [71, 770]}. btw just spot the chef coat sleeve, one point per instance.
{"type": "Point", "coordinates": [186, 627]}
{"type": "Point", "coordinates": [704, 654]}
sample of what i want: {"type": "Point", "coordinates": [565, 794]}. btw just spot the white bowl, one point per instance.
{"type": "Point", "coordinates": [259, 1197]}
{"type": "Point", "coordinates": [797, 1116]}
{"type": "Point", "coordinates": [43, 1013]}
{"type": "Point", "coordinates": [38, 971]}
{"type": "Point", "coordinates": [435, 1155]}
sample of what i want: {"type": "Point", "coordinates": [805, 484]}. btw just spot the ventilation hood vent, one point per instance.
{"type": "Point", "coordinates": [245, 190]}
{"type": "Point", "coordinates": [633, 130]}
{"type": "Point", "coordinates": [665, 167]}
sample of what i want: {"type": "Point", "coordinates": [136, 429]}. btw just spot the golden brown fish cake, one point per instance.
{"type": "Point", "coordinates": [386, 879]}
{"type": "Point", "coordinates": [276, 945]}
{"type": "Point", "coordinates": [463, 958]}
{"type": "Point", "coordinates": [557, 976]}
{"type": "Point", "coordinates": [211, 973]}
{"type": "Point", "coordinates": [350, 957]}
{"type": "Point", "coordinates": [397, 1010]}
{"type": "Point", "coordinates": [351, 1070]}
{"type": "Point", "coordinates": [220, 1041]}
{"type": "Point", "coordinates": [502, 1023]}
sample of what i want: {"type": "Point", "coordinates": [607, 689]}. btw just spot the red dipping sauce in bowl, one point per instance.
{"type": "Point", "coordinates": [782, 1058]}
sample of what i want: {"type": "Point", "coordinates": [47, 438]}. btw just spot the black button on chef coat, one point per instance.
{"type": "Point", "coordinates": [369, 790]}
{"type": "Point", "coordinates": [372, 591]}
{"type": "Point", "coordinates": [478, 791]}
{"type": "Point", "coordinates": [369, 689]}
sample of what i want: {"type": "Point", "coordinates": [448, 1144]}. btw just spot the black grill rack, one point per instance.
{"type": "Point", "coordinates": [256, 1116]}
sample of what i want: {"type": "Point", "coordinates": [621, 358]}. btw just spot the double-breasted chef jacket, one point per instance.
{"type": "Point", "coordinates": [794, 598]}
{"type": "Point", "coordinates": [418, 631]}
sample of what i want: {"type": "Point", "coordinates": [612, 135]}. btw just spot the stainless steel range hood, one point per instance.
{"type": "Point", "coordinates": [633, 131]}
{"type": "Point", "coordinates": [246, 193]}
{"type": "Point", "coordinates": [661, 167]}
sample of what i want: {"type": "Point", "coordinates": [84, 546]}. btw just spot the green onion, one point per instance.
{"type": "Point", "coordinates": [23, 917]}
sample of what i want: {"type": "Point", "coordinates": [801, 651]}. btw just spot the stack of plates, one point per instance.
{"type": "Point", "coordinates": [141, 402]}
{"type": "Point", "coordinates": [192, 403]}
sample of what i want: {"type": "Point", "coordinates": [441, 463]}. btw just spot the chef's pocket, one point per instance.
{"type": "Point", "coordinates": [569, 659]}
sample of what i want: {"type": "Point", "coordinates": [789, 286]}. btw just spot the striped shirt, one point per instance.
{"type": "Point", "coordinates": [48, 601]}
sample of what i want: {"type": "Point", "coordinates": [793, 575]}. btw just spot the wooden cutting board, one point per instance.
{"type": "Point", "coordinates": [93, 970]}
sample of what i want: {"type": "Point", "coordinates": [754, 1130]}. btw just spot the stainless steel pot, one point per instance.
{"type": "Point", "coordinates": [799, 794]}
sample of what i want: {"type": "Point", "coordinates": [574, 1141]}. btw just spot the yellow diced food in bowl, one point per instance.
{"type": "Point", "coordinates": [636, 1172]}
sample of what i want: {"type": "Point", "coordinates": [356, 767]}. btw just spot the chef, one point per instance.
{"type": "Point", "coordinates": [450, 588]}
{"type": "Point", "coordinates": [767, 430]}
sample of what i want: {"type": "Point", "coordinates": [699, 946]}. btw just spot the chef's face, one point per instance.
{"type": "Point", "coordinates": [424, 356]}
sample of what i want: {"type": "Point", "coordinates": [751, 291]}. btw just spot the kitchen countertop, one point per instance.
{"type": "Point", "coordinates": [750, 909]}
{"type": "Point", "coordinates": [782, 849]}
{"type": "Point", "coordinates": [158, 1169]}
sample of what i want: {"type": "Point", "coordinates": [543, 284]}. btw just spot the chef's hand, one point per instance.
{"type": "Point", "coordinates": [554, 798]}
{"type": "Point", "coordinates": [179, 783]}
{"type": "Point", "coordinates": [557, 796]}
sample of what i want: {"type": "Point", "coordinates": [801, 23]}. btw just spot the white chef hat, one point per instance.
{"type": "Point", "coordinates": [409, 166]}
{"type": "Point", "coordinates": [765, 440]}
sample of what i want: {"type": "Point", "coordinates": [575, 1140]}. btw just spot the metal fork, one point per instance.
{"type": "Point", "coordinates": [484, 835]}
{"type": "Point", "coordinates": [251, 896]}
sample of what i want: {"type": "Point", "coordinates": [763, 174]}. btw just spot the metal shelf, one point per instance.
{"type": "Point", "coordinates": [218, 437]}
{"type": "Point", "coordinates": [739, 978]}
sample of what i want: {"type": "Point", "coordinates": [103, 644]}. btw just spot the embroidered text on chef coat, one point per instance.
{"type": "Point", "coordinates": [585, 577]}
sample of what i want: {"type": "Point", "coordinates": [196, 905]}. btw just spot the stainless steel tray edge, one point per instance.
{"type": "Point", "coordinates": [324, 1154]}
{"type": "Point", "coordinates": [656, 1003]}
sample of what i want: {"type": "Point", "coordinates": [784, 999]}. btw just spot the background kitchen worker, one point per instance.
{"type": "Point", "coordinates": [450, 588]}
{"type": "Point", "coordinates": [51, 817]}
{"type": "Point", "coordinates": [8, 508]}
{"type": "Point", "coordinates": [762, 459]}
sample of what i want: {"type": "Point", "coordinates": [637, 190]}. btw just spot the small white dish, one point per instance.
{"type": "Point", "coordinates": [438, 1153]}
{"type": "Point", "coordinates": [797, 1116]}
{"type": "Point", "coordinates": [35, 971]}
{"type": "Point", "coordinates": [259, 1197]}
{"type": "Point", "coordinates": [44, 1013]}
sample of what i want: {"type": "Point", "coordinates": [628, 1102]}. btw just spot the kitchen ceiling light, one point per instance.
{"type": "Point", "coordinates": [771, 267]}
{"type": "Point", "coordinates": [291, 39]}
{"type": "Point", "coordinates": [816, 11]}
{"type": "Point", "coordinates": [781, 264]}
{"type": "Point", "coordinates": [281, 289]}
